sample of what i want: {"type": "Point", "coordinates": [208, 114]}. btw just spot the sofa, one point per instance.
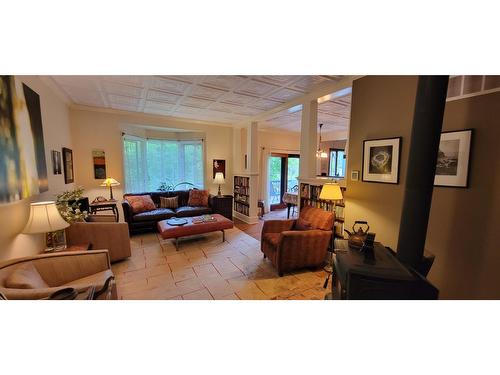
{"type": "Point", "coordinates": [147, 221]}
{"type": "Point", "coordinates": [39, 276]}
{"type": "Point", "coordinates": [289, 249]}
{"type": "Point", "coordinates": [112, 236]}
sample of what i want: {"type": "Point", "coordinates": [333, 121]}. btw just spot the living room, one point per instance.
{"type": "Point", "coordinates": [161, 189]}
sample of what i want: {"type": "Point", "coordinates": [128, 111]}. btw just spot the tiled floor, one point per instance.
{"type": "Point", "coordinates": [255, 230]}
{"type": "Point", "coordinates": [206, 268]}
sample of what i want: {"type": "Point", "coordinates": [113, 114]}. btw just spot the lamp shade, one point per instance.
{"type": "Point", "coordinates": [44, 218]}
{"type": "Point", "coordinates": [331, 192]}
{"type": "Point", "coordinates": [110, 182]}
{"type": "Point", "coordinates": [219, 178]}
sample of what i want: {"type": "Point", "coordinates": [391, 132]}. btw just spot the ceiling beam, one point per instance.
{"type": "Point", "coordinates": [322, 90]}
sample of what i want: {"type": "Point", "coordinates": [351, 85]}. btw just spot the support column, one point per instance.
{"type": "Point", "coordinates": [253, 148]}
{"type": "Point", "coordinates": [424, 146]}
{"type": "Point", "coordinates": [308, 139]}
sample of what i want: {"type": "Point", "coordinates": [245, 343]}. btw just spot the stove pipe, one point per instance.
{"type": "Point", "coordinates": [424, 146]}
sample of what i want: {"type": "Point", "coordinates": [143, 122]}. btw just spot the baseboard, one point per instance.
{"type": "Point", "coordinates": [245, 218]}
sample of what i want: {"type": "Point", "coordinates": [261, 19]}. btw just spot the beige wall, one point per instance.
{"type": "Point", "coordinates": [92, 129]}
{"type": "Point", "coordinates": [382, 107]}
{"type": "Point", "coordinates": [56, 133]}
{"type": "Point", "coordinates": [463, 222]}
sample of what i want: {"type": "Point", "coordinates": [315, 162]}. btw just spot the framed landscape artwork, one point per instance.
{"type": "Point", "coordinates": [99, 163]}
{"type": "Point", "coordinates": [381, 160]}
{"type": "Point", "coordinates": [219, 165]}
{"type": "Point", "coordinates": [452, 168]}
{"type": "Point", "coordinates": [68, 165]}
{"type": "Point", "coordinates": [23, 168]}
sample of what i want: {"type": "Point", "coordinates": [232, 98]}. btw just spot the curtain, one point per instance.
{"type": "Point", "coordinates": [151, 162]}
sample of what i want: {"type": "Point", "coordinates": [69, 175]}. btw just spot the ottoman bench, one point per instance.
{"type": "Point", "coordinates": [190, 229]}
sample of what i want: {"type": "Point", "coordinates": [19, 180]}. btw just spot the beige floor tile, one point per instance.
{"type": "Point", "coordinates": [183, 274]}
{"type": "Point", "coordinates": [190, 285]}
{"type": "Point", "coordinates": [202, 294]}
{"type": "Point", "coordinates": [251, 293]}
{"type": "Point", "coordinates": [205, 269]}
{"type": "Point", "coordinates": [218, 287]}
{"type": "Point", "coordinates": [177, 258]}
{"type": "Point", "coordinates": [131, 275]}
{"type": "Point", "coordinates": [157, 261]}
{"type": "Point", "coordinates": [161, 280]}
{"type": "Point", "coordinates": [231, 296]}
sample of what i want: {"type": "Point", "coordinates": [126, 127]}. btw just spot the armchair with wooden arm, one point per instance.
{"type": "Point", "coordinates": [289, 249]}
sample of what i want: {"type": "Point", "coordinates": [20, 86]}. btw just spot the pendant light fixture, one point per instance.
{"type": "Point", "coordinates": [320, 153]}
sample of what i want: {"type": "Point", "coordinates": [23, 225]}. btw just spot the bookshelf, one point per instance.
{"type": "Point", "coordinates": [242, 195]}
{"type": "Point", "coordinates": [309, 196]}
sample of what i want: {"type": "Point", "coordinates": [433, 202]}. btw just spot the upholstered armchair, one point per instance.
{"type": "Point", "coordinates": [301, 243]}
{"type": "Point", "coordinates": [101, 235]}
{"type": "Point", "coordinates": [39, 276]}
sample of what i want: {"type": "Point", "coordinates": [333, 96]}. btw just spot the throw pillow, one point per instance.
{"type": "Point", "coordinates": [25, 276]}
{"type": "Point", "coordinates": [302, 224]}
{"type": "Point", "coordinates": [140, 203]}
{"type": "Point", "coordinates": [198, 198]}
{"type": "Point", "coordinates": [172, 202]}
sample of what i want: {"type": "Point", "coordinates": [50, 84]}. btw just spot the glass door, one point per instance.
{"type": "Point", "coordinates": [283, 174]}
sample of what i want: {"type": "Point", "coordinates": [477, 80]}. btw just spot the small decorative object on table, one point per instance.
{"type": "Point", "coordinates": [203, 219]}
{"type": "Point", "coordinates": [357, 237]}
{"type": "Point", "coordinates": [176, 221]}
{"type": "Point", "coordinates": [367, 248]}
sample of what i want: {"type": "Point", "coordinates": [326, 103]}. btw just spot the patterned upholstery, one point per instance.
{"type": "Point", "coordinates": [172, 202]}
{"type": "Point", "coordinates": [198, 198]}
{"type": "Point", "coordinates": [140, 203]}
{"type": "Point", "coordinates": [290, 249]}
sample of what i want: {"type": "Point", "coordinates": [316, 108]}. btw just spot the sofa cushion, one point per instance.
{"type": "Point", "coordinates": [140, 203]}
{"type": "Point", "coordinates": [188, 211]}
{"type": "Point", "coordinates": [198, 198]}
{"type": "Point", "coordinates": [318, 218]}
{"type": "Point", "coordinates": [272, 239]}
{"type": "Point", "coordinates": [25, 276]}
{"type": "Point", "coordinates": [155, 215]}
{"type": "Point", "coordinates": [171, 203]}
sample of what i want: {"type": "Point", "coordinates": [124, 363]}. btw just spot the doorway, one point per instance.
{"type": "Point", "coordinates": [283, 177]}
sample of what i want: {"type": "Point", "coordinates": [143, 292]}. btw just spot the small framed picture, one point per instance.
{"type": "Point", "coordinates": [354, 175]}
{"type": "Point", "coordinates": [381, 160]}
{"type": "Point", "coordinates": [452, 168]}
{"type": "Point", "coordinates": [68, 165]}
{"type": "Point", "coordinates": [56, 162]}
{"type": "Point", "coordinates": [99, 164]}
{"type": "Point", "coordinates": [219, 165]}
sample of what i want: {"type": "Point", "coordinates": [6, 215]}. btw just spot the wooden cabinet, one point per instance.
{"type": "Point", "coordinates": [223, 205]}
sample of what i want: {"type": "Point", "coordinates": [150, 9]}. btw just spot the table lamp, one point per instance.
{"type": "Point", "coordinates": [331, 192]}
{"type": "Point", "coordinates": [45, 218]}
{"type": "Point", "coordinates": [219, 179]}
{"type": "Point", "coordinates": [110, 182]}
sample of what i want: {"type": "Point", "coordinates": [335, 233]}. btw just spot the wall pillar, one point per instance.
{"type": "Point", "coordinates": [308, 139]}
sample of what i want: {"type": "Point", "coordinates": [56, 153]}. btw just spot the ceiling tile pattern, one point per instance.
{"type": "Point", "coordinates": [226, 99]}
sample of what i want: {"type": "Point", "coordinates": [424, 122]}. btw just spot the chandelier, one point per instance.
{"type": "Point", "coordinates": [320, 153]}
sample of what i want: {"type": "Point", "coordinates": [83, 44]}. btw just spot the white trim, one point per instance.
{"type": "Point", "coordinates": [465, 96]}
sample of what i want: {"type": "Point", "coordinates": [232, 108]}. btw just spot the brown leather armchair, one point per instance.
{"type": "Point", "coordinates": [289, 249]}
{"type": "Point", "coordinates": [38, 276]}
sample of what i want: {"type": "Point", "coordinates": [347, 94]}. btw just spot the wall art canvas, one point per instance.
{"type": "Point", "coordinates": [99, 161]}
{"type": "Point", "coordinates": [68, 165]}
{"type": "Point", "coordinates": [381, 160]}
{"type": "Point", "coordinates": [219, 165]}
{"type": "Point", "coordinates": [56, 162]}
{"type": "Point", "coordinates": [23, 167]}
{"type": "Point", "coordinates": [452, 167]}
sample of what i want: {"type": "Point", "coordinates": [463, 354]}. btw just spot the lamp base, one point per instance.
{"type": "Point", "coordinates": [55, 241]}
{"type": "Point", "coordinates": [219, 194]}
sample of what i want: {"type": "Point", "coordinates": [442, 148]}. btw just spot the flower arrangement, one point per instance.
{"type": "Point", "coordinates": [168, 186]}
{"type": "Point", "coordinates": [68, 206]}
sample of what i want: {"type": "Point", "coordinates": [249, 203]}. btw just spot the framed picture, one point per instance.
{"type": "Point", "coordinates": [381, 160]}
{"type": "Point", "coordinates": [23, 166]}
{"type": "Point", "coordinates": [68, 165]}
{"type": "Point", "coordinates": [99, 163]}
{"type": "Point", "coordinates": [452, 168]}
{"type": "Point", "coordinates": [219, 165]}
{"type": "Point", "coordinates": [56, 162]}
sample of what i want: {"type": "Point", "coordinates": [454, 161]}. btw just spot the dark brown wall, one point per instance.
{"type": "Point", "coordinates": [464, 225]}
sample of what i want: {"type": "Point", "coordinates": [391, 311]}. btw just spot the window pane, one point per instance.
{"type": "Point", "coordinates": [293, 173]}
{"type": "Point", "coordinates": [340, 164]}
{"type": "Point", "coordinates": [332, 168]}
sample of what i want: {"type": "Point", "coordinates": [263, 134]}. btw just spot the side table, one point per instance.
{"type": "Point", "coordinates": [109, 205]}
{"type": "Point", "coordinates": [223, 205]}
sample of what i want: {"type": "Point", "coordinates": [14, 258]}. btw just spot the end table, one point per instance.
{"type": "Point", "coordinates": [109, 205]}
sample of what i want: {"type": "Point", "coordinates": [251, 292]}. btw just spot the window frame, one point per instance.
{"type": "Point", "coordinates": [335, 150]}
